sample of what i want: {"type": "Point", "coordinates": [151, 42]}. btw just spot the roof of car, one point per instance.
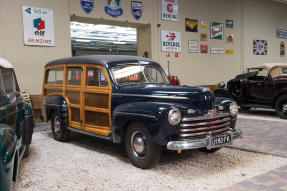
{"type": "Point", "coordinates": [5, 63]}
{"type": "Point", "coordinates": [97, 59]}
{"type": "Point", "coordinates": [268, 66]}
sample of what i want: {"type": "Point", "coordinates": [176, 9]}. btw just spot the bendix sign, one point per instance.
{"type": "Point", "coordinates": [170, 41]}
{"type": "Point", "coordinates": [38, 26]}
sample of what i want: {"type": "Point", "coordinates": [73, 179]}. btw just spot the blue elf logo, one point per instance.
{"type": "Point", "coordinates": [113, 8]}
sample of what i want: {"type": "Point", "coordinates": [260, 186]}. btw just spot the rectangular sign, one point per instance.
{"type": "Point", "coordinates": [191, 25]}
{"type": "Point", "coordinates": [192, 46]}
{"type": "Point", "coordinates": [169, 10]}
{"type": "Point", "coordinates": [38, 26]}
{"type": "Point", "coordinates": [216, 30]}
{"type": "Point", "coordinates": [217, 51]}
{"type": "Point", "coordinates": [170, 41]}
{"type": "Point", "coordinates": [281, 33]}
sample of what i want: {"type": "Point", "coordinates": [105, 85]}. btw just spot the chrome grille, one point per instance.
{"type": "Point", "coordinates": [199, 127]}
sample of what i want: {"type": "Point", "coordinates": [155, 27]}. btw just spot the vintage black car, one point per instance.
{"type": "Point", "coordinates": [16, 126]}
{"type": "Point", "coordinates": [260, 87]}
{"type": "Point", "coordinates": [127, 99]}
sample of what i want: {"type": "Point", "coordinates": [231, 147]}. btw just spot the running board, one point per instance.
{"type": "Point", "coordinates": [257, 106]}
{"type": "Point", "coordinates": [90, 134]}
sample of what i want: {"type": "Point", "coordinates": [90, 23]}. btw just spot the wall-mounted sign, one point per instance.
{"type": "Point", "coordinates": [203, 37]}
{"type": "Point", "coordinates": [169, 10]}
{"type": "Point", "coordinates": [229, 23]}
{"type": "Point", "coordinates": [137, 9]}
{"type": "Point", "coordinates": [229, 38]}
{"type": "Point", "coordinates": [203, 49]}
{"type": "Point", "coordinates": [170, 41]}
{"type": "Point", "coordinates": [87, 5]}
{"type": "Point", "coordinates": [191, 25]}
{"type": "Point", "coordinates": [229, 51]}
{"type": "Point", "coordinates": [281, 33]}
{"type": "Point", "coordinates": [260, 47]}
{"type": "Point", "coordinates": [203, 24]}
{"type": "Point", "coordinates": [38, 26]}
{"type": "Point", "coordinates": [192, 46]}
{"type": "Point", "coordinates": [217, 51]}
{"type": "Point", "coordinates": [216, 30]}
{"type": "Point", "coordinates": [282, 49]}
{"type": "Point", "coordinates": [113, 8]}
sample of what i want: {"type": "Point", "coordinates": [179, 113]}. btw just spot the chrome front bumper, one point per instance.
{"type": "Point", "coordinates": [201, 143]}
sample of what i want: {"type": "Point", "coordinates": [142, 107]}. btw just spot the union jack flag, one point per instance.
{"type": "Point", "coordinates": [260, 47]}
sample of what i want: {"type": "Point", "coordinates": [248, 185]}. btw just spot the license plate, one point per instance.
{"type": "Point", "coordinates": [220, 140]}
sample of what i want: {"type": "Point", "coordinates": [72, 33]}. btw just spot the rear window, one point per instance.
{"type": "Point", "coordinates": [55, 76]}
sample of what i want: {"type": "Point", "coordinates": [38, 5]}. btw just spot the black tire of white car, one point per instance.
{"type": "Point", "coordinates": [150, 151]}
{"type": "Point", "coordinates": [280, 101]}
{"type": "Point", "coordinates": [62, 134]}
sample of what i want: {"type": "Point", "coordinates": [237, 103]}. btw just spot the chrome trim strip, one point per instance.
{"type": "Point", "coordinates": [151, 96]}
{"type": "Point", "coordinates": [88, 133]}
{"type": "Point", "coordinates": [136, 114]}
{"type": "Point", "coordinates": [206, 117]}
{"type": "Point", "coordinates": [205, 123]}
{"type": "Point", "coordinates": [204, 128]}
{"type": "Point", "coordinates": [203, 133]}
{"type": "Point", "coordinates": [200, 143]}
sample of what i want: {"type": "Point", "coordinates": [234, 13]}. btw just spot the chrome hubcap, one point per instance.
{"type": "Point", "coordinates": [57, 125]}
{"type": "Point", "coordinates": [138, 143]}
{"type": "Point", "coordinates": [284, 107]}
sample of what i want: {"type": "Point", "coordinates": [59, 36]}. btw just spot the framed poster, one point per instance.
{"type": "Point", "coordinates": [169, 10]}
{"type": "Point", "coordinates": [216, 30]}
{"type": "Point", "coordinates": [260, 47]}
{"type": "Point", "coordinates": [170, 41]}
{"type": "Point", "coordinates": [38, 26]}
{"type": "Point", "coordinates": [191, 25]}
{"type": "Point", "coordinates": [192, 46]}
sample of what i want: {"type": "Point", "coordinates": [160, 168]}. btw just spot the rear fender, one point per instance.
{"type": "Point", "coordinates": [281, 92]}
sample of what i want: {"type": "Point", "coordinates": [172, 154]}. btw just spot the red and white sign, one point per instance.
{"type": "Point", "coordinates": [217, 51]}
{"type": "Point", "coordinates": [203, 49]}
{"type": "Point", "coordinates": [169, 10]}
{"type": "Point", "coordinates": [168, 54]}
{"type": "Point", "coordinates": [38, 26]}
{"type": "Point", "coordinates": [170, 41]}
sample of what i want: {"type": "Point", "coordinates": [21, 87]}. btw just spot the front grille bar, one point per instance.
{"type": "Point", "coordinates": [204, 133]}
{"type": "Point", "coordinates": [205, 123]}
{"type": "Point", "coordinates": [207, 117]}
{"type": "Point", "coordinates": [204, 128]}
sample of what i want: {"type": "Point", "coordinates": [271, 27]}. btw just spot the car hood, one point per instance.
{"type": "Point", "coordinates": [199, 97]}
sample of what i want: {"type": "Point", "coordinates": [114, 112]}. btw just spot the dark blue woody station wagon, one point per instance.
{"type": "Point", "coordinates": [128, 100]}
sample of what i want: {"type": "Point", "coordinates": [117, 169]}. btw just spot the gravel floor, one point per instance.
{"type": "Point", "coordinates": [87, 163]}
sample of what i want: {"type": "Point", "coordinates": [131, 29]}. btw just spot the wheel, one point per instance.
{"type": "Point", "coordinates": [60, 133]}
{"type": "Point", "coordinates": [27, 151]}
{"type": "Point", "coordinates": [205, 150]}
{"type": "Point", "coordinates": [245, 108]}
{"type": "Point", "coordinates": [141, 149]}
{"type": "Point", "coordinates": [281, 106]}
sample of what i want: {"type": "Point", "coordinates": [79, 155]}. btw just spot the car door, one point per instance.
{"type": "Point", "coordinates": [261, 90]}
{"type": "Point", "coordinates": [97, 100]}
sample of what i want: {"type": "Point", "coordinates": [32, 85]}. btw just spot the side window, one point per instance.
{"type": "Point", "coordinates": [8, 81]}
{"type": "Point", "coordinates": [55, 76]}
{"type": "Point", "coordinates": [74, 76]}
{"type": "Point", "coordinates": [284, 70]}
{"type": "Point", "coordinates": [96, 77]}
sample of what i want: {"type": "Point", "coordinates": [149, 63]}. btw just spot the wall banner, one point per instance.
{"type": "Point", "coordinates": [137, 9]}
{"type": "Point", "coordinates": [260, 47]}
{"type": "Point", "coordinates": [113, 8]}
{"type": "Point", "coordinates": [38, 26]}
{"type": "Point", "coordinates": [281, 33]}
{"type": "Point", "coordinates": [87, 5]}
{"type": "Point", "coordinates": [191, 25]}
{"type": "Point", "coordinates": [282, 49]}
{"type": "Point", "coordinates": [217, 51]}
{"type": "Point", "coordinates": [192, 46]}
{"type": "Point", "coordinates": [170, 41]}
{"type": "Point", "coordinates": [216, 30]}
{"type": "Point", "coordinates": [169, 10]}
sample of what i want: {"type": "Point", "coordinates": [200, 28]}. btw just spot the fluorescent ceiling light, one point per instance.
{"type": "Point", "coordinates": [116, 42]}
{"type": "Point", "coordinates": [82, 40]}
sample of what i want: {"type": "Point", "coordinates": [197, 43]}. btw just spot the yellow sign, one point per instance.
{"type": "Point", "coordinates": [229, 51]}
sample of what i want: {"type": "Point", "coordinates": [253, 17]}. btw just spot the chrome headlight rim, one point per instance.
{"type": "Point", "coordinates": [233, 109]}
{"type": "Point", "coordinates": [174, 116]}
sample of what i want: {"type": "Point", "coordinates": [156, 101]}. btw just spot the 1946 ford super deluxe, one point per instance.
{"type": "Point", "coordinates": [128, 100]}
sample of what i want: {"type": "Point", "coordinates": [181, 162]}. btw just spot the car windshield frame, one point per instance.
{"type": "Point", "coordinates": [139, 64]}
{"type": "Point", "coordinates": [260, 71]}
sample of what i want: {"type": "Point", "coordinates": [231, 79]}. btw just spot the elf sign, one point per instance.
{"type": "Point", "coordinates": [38, 26]}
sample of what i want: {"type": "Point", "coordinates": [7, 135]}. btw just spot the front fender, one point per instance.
{"type": "Point", "coordinates": [152, 115]}
{"type": "Point", "coordinates": [8, 141]}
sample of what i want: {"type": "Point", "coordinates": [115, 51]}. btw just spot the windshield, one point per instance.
{"type": "Point", "coordinates": [132, 74]}
{"type": "Point", "coordinates": [261, 71]}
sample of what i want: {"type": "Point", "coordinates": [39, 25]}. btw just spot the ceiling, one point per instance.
{"type": "Point", "coordinates": [103, 37]}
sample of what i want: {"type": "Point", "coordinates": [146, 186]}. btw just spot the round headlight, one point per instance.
{"type": "Point", "coordinates": [233, 108]}
{"type": "Point", "coordinates": [174, 116]}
